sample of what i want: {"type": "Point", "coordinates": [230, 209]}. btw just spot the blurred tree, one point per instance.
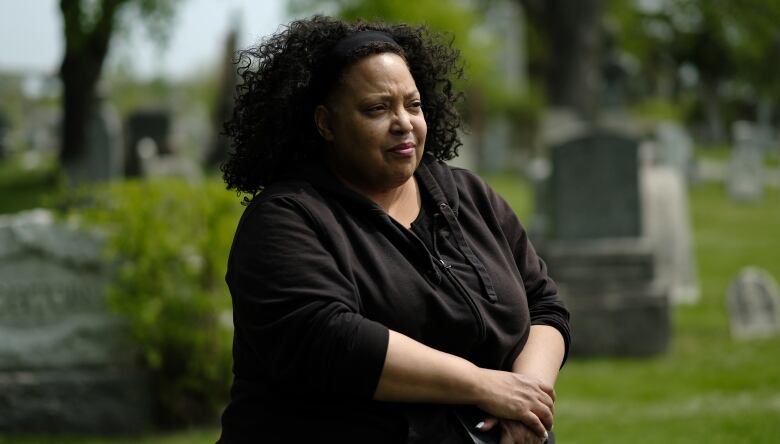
{"type": "Point", "coordinates": [726, 42]}
{"type": "Point", "coordinates": [568, 50]}
{"type": "Point", "coordinates": [88, 27]}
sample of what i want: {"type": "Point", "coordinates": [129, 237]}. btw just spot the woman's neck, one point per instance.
{"type": "Point", "coordinates": [402, 203]}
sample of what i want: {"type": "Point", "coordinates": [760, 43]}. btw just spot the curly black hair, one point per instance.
{"type": "Point", "coordinates": [272, 128]}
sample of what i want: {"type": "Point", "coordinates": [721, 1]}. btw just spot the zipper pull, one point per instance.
{"type": "Point", "coordinates": [444, 264]}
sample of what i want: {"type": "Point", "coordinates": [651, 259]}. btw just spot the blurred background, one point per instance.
{"type": "Point", "coordinates": [636, 139]}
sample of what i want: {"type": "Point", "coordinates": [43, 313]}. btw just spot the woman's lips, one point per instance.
{"type": "Point", "coordinates": [404, 149]}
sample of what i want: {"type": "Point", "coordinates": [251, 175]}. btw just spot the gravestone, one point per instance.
{"type": "Point", "coordinates": [66, 363]}
{"type": "Point", "coordinates": [753, 302]}
{"type": "Point", "coordinates": [668, 226]}
{"type": "Point", "coordinates": [674, 149]}
{"type": "Point", "coordinates": [745, 173]}
{"type": "Point", "coordinates": [153, 124]}
{"type": "Point", "coordinates": [597, 250]}
{"type": "Point", "coordinates": [102, 157]}
{"type": "Point", "coordinates": [595, 187]}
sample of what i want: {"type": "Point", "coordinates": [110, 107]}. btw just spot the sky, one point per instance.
{"type": "Point", "coordinates": [31, 36]}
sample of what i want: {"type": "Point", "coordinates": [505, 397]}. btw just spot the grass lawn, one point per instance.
{"type": "Point", "coordinates": [706, 389]}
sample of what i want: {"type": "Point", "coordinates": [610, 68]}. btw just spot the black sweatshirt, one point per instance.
{"type": "Point", "coordinates": [319, 273]}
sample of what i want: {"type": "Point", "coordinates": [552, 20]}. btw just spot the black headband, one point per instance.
{"type": "Point", "coordinates": [344, 47]}
{"type": "Point", "coordinates": [334, 60]}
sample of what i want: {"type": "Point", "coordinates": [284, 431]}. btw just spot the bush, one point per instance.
{"type": "Point", "coordinates": [169, 241]}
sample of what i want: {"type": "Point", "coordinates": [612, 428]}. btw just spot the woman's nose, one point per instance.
{"type": "Point", "coordinates": [402, 122]}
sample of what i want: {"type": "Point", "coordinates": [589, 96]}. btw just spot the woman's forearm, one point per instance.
{"type": "Point", "coordinates": [542, 355]}
{"type": "Point", "coordinates": [414, 372]}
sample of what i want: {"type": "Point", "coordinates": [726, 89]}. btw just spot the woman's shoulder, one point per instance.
{"type": "Point", "coordinates": [463, 179]}
{"type": "Point", "coordinates": [284, 203]}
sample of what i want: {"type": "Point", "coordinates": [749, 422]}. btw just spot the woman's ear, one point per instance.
{"type": "Point", "coordinates": [322, 120]}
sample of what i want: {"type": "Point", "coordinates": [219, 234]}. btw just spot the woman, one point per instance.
{"type": "Point", "coordinates": [379, 295]}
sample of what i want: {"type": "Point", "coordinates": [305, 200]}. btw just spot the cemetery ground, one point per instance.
{"type": "Point", "coordinates": [706, 388]}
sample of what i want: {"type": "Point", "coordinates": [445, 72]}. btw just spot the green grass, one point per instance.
{"type": "Point", "coordinates": [708, 388]}
{"type": "Point", "coordinates": [22, 189]}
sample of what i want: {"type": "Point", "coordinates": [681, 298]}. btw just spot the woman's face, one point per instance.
{"type": "Point", "coordinates": [374, 123]}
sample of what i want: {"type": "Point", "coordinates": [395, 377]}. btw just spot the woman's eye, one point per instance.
{"type": "Point", "coordinates": [415, 104]}
{"type": "Point", "coordinates": [376, 108]}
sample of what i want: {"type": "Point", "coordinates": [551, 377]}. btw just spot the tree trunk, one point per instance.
{"type": "Point", "coordinates": [572, 31]}
{"type": "Point", "coordinates": [79, 78]}
{"type": "Point", "coordinates": [85, 52]}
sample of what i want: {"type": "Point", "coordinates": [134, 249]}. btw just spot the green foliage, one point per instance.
{"type": "Point", "coordinates": [657, 109]}
{"type": "Point", "coordinates": [169, 242]}
{"type": "Point", "coordinates": [723, 39]}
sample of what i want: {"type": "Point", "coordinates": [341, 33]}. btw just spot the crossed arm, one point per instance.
{"type": "Point", "coordinates": [414, 372]}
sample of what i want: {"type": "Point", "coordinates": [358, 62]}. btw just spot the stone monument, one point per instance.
{"type": "Point", "coordinates": [753, 301]}
{"type": "Point", "coordinates": [744, 177]}
{"type": "Point", "coordinates": [597, 250]}
{"type": "Point", "coordinates": [66, 363]}
{"type": "Point", "coordinates": [151, 124]}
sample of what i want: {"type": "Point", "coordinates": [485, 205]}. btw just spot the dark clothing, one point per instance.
{"type": "Point", "coordinates": [319, 273]}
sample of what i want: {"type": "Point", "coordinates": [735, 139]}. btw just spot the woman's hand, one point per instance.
{"type": "Point", "coordinates": [513, 432]}
{"type": "Point", "coordinates": [518, 397]}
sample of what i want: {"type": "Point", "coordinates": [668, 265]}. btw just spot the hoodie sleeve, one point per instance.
{"type": "Point", "coordinates": [295, 311]}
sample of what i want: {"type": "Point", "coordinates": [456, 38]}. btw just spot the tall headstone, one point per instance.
{"type": "Point", "coordinates": [753, 301]}
{"type": "Point", "coordinates": [595, 182]}
{"type": "Point", "coordinates": [66, 363]}
{"type": "Point", "coordinates": [745, 173]}
{"type": "Point", "coordinates": [153, 124]}
{"type": "Point", "coordinates": [597, 250]}
{"type": "Point", "coordinates": [668, 226]}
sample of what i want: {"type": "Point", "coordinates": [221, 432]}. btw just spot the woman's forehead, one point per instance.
{"type": "Point", "coordinates": [378, 71]}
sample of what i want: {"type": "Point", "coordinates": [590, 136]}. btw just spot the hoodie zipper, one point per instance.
{"type": "Point", "coordinates": [469, 300]}
{"type": "Point", "coordinates": [459, 285]}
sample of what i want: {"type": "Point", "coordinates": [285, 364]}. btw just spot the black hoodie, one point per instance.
{"type": "Point", "coordinates": [318, 274]}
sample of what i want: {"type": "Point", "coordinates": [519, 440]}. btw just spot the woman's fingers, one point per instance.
{"type": "Point", "coordinates": [535, 424]}
{"type": "Point", "coordinates": [518, 397]}
{"type": "Point", "coordinates": [548, 389]}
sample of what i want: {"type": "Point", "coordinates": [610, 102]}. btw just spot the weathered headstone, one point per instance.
{"type": "Point", "coordinates": [668, 227]}
{"type": "Point", "coordinates": [597, 249]}
{"type": "Point", "coordinates": [674, 149]}
{"type": "Point", "coordinates": [745, 173]}
{"type": "Point", "coordinates": [102, 157]}
{"type": "Point", "coordinates": [595, 187]}
{"type": "Point", "coordinates": [754, 304]}
{"type": "Point", "coordinates": [618, 306]}
{"type": "Point", "coordinates": [66, 363]}
{"type": "Point", "coordinates": [154, 124]}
